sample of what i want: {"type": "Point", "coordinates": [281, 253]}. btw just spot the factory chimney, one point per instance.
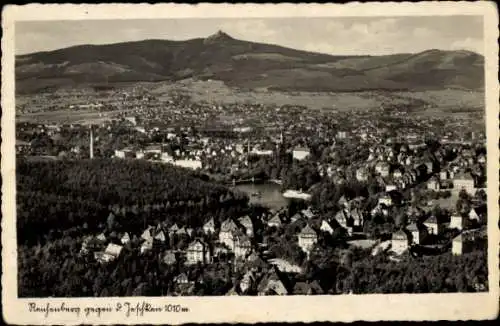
{"type": "Point", "coordinates": [91, 143]}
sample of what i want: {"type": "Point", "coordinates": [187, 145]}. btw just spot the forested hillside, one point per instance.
{"type": "Point", "coordinates": [54, 196]}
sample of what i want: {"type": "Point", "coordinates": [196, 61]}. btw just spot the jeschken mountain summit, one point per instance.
{"type": "Point", "coordinates": [247, 65]}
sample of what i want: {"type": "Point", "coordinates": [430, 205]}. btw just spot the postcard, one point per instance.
{"type": "Point", "coordinates": [220, 163]}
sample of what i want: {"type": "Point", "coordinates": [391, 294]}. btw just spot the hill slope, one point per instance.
{"type": "Point", "coordinates": [247, 65]}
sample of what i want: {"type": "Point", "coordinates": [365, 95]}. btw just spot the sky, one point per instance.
{"type": "Point", "coordinates": [331, 35]}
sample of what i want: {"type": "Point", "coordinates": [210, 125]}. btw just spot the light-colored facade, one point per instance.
{"type": "Point", "coordinates": [326, 227]}
{"type": "Point", "coordinates": [465, 182]}
{"type": "Point", "coordinates": [197, 252]}
{"type": "Point", "coordinates": [300, 153]}
{"type": "Point", "coordinates": [307, 239]}
{"type": "Point", "coordinates": [399, 242]}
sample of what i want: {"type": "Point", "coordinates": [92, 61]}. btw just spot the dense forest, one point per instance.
{"type": "Point", "coordinates": [55, 196]}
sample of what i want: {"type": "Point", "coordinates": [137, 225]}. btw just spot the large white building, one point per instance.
{"type": "Point", "coordinates": [189, 164]}
{"type": "Point", "coordinates": [300, 153]}
{"type": "Point", "coordinates": [464, 181]}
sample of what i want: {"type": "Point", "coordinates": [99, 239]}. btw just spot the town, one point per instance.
{"type": "Point", "coordinates": [386, 182]}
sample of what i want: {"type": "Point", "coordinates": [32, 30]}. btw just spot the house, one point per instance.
{"type": "Point", "coordinates": [169, 257]}
{"type": "Point", "coordinates": [467, 241]}
{"type": "Point", "coordinates": [226, 233]}
{"type": "Point", "coordinates": [382, 168]}
{"type": "Point", "coordinates": [209, 227]}
{"type": "Point", "coordinates": [160, 237]}
{"type": "Point", "coordinates": [433, 226]}
{"type": "Point", "coordinates": [307, 239]}
{"type": "Point", "coordinates": [242, 246]}
{"type": "Point", "coordinates": [357, 218]}
{"type": "Point", "coordinates": [457, 245]}
{"type": "Point", "coordinates": [275, 221]}
{"type": "Point", "coordinates": [399, 242]}
{"type": "Point", "coordinates": [341, 134]}
{"type": "Point", "coordinates": [181, 232]}
{"type": "Point", "coordinates": [101, 238]}
{"type": "Point", "coordinates": [342, 202]}
{"type": "Point", "coordinates": [111, 253]}
{"type": "Point", "coordinates": [147, 234]}
{"type": "Point", "coordinates": [146, 246]}
{"type": "Point", "coordinates": [173, 229]}
{"type": "Point", "coordinates": [182, 278]}
{"type": "Point", "coordinates": [457, 221]}
{"type": "Point", "coordinates": [390, 187]}
{"type": "Point", "coordinates": [397, 173]}
{"type": "Point", "coordinates": [90, 243]}
{"type": "Point", "coordinates": [362, 174]}
{"type": "Point", "coordinates": [464, 181]}
{"type": "Point", "coordinates": [247, 224]}
{"type": "Point", "coordinates": [473, 214]}
{"type": "Point", "coordinates": [307, 213]}
{"type": "Point", "coordinates": [296, 217]}
{"type": "Point", "coordinates": [300, 153]}
{"type": "Point", "coordinates": [342, 218]}
{"type": "Point", "coordinates": [443, 175]}
{"type": "Point", "coordinates": [433, 184]}
{"type": "Point", "coordinates": [125, 238]}
{"type": "Point", "coordinates": [418, 233]}
{"type": "Point", "coordinates": [307, 288]}
{"type": "Point", "coordinates": [326, 227]}
{"type": "Point", "coordinates": [197, 252]}
{"type": "Point", "coordinates": [272, 284]}
{"type": "Point", "coordinates": [255, 263]}
{"type": "Point", "coordinates": [386, 200]}
{"type": "Point", "coordinates": [247, 281]}
{"type": "Point", "coordinates": [220, 250]}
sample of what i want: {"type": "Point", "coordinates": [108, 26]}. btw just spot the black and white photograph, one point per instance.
{"type": "Point", "coordinates": [332, 156]}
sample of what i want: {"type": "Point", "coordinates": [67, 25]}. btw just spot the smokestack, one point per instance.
{"type": "Point", "coordinates": [91, 143]}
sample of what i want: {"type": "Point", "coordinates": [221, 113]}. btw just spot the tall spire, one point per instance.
{"type": "Point", "coordinates": [91, 143]}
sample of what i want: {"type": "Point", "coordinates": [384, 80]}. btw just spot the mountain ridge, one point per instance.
{"type": "Point", "coordinates": [248, 65]}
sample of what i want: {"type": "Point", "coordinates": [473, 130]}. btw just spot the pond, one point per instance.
{"type": "Point", "coordinates": [270, 194]}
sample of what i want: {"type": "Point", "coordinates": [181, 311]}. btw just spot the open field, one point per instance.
{"type": "Point", "coordinates": [431, 103]}
{"type": "Point", "coordinates": [68, 116]}
{"type": "Point", "coordinates": [218, 92]}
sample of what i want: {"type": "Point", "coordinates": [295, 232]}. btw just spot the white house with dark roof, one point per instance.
{"type": "Point", "coordinates": [433, 225]}
{"type": "Point", "coordinates": [457, 221]}
{"type": "Point", "coordinates": [326, 227]}
{"type": "Point", "coordinates": [209, 227]}
{"type": "Point", "coordinates": [418, 233]}
{"type": "Point", "coordinates": [307, 239]}
{"type": "Point", "coordinates": [197, 252]}
{"type": "Point", "coordinates": [247, 224]}
{"type": "Point", "coordinates": [399, 242]}
{"type": "Point", "coordinates": [228, 227]}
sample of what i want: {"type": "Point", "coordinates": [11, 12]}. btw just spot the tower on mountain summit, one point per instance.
{"type": "Point", "coordinates": [220, 36]}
